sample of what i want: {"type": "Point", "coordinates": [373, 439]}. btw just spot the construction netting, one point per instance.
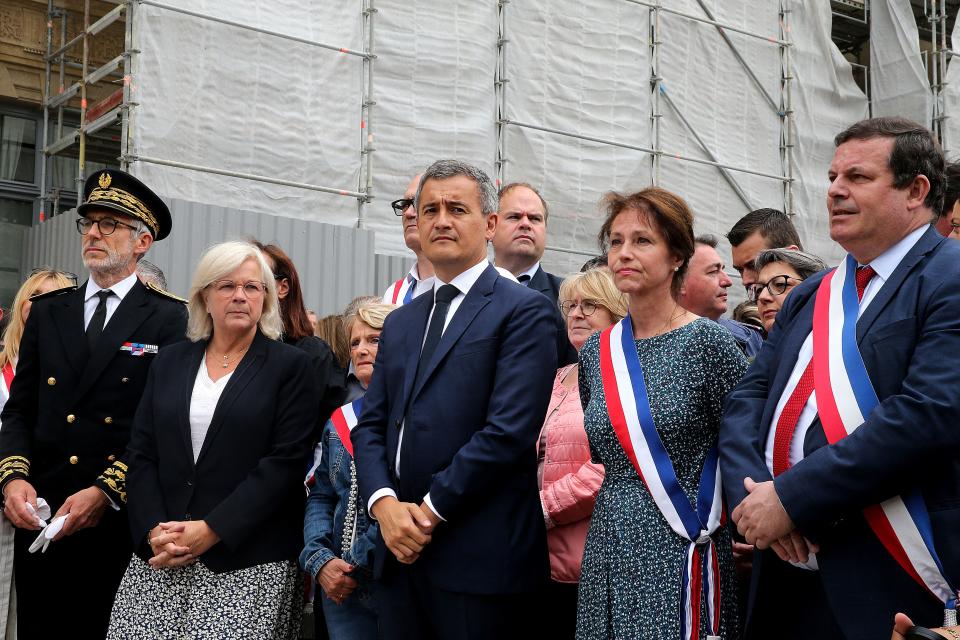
{"type": "Point", "coordinates": [584, 92]}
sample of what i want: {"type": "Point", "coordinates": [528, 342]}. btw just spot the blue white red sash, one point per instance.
{"type": "Point", "coordinates": [344, 420]}
{"type": "Point", "coordinates": [845, 398]}
{"type": "Point", "coordinates": [629, 408]}
{"type": "Point", "coordinates": [402, 291]}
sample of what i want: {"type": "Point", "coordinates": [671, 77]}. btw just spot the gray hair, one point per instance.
{"type": "Point", "coordinates": [216, 263]}
{"type": "Point", "coordinates": [707, 240]}
{"type": "Point", "coordinates": [805, 264]}
{"type": "Point", "coordinates": [443, 169]}
{"type": "Point", "coordinates": [150, 272]}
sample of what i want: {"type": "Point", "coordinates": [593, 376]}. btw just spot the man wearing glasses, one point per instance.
{"type": "Point", "coordinates": [83, 366]}
{"type": "Point", "coordinates": [420, 278]}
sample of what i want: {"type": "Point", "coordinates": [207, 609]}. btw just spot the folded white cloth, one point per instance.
{"type": "Point", "coordinates": [50, 531]}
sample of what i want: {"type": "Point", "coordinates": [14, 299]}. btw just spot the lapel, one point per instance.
{"type": "Point", "coordinates": [929, 241]}
{"type": "Point", "coordinates": [248, 369]}
{"type": "Point", "coordinates": [476, 299]}
{"type": "Point", "coordinates": [130, 314]}
{"type": "Point", "coordinates": [68, 318]}
{"type": "Point", "coordinates": [420, 311]}
{"type": "Point", "coordinates": [187, 381]}
{"type": "Point", "coordinates": [540, 282]}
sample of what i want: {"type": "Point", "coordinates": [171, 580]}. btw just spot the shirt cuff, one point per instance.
{"type": "Point", "coordinates": [426, 499]}
{"type": "Point", "coordinates": [112, 503]}
{"type": "Point", "coordinates": [379, 493]}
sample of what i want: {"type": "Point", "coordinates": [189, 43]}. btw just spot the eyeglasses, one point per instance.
{"type": "Point", "coordinates": [72, 277]}
{"type": "Point", "coordinates": [587, 307]}
{"type": "Point", "coordinates": [105, 225]}
{"type": "Point", "coordinates": [776, 286]}
{"type": "Point", "coordinates": [226, 288]}
{"type": "Point", "coordinates": [399, 206]}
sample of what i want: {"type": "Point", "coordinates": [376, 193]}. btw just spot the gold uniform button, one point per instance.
{"type": "Point", "coordinates": [108, 420]}
{"type": "Point", "coordinates": [111, 458]}
{"type": "Point", "coordinates": [74, 459]}
{"type": "Point", "coordinates": [71, 418]}
{"type": "Point", "coordinates": [51, 381]}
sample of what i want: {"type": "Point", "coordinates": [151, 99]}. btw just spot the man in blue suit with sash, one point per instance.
{"type": "Point", "coordinates": [445, 447]}
{"type": "Point", "coordinates": [839, 449]}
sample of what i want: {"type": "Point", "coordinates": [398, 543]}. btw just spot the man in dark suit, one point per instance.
{"type": "Point", "coordinates": [445, 448]}
{"type": "Point", "coordinates": [806, 493]}
{"type": "Point", "coordinates": [82, 369]}
{"type": "Point", "coordinates": [518, 245]}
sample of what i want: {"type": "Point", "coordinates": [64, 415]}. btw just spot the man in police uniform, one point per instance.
{"type": "Point", "coordinates": [82, 369]}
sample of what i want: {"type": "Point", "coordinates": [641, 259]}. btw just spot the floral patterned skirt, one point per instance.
{"type": "Point", "coordinates": [261, 602]}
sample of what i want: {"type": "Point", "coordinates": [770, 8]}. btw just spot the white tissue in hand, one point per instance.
{"type": "Point", "coordinates": [48, 534]}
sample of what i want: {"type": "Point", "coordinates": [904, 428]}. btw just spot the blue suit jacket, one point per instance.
{"type": "Point", "coordinates": [909, 338]}
{"type": "Point", "coordinates": [469, 433]}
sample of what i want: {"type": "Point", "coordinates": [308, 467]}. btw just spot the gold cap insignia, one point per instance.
{"type": "Point", "coordinates": [104, 180]}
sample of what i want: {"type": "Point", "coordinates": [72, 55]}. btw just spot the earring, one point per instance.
{"type": "Point", "coordinates": [676, 268]}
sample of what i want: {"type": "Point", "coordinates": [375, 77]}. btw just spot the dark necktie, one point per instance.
{"type": "Point", "coordinates": [441, 306]}
{"type": "Point", "coordinates": [95, 328]}
{"type": "Point", "coordinates": [787, 424]}
{"type": "Point", "coordinates": [524, 280]}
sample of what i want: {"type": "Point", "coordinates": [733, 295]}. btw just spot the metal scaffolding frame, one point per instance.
{"type": "Point", "coordinates": [660, 98]}
{"type": "Point", "coordinates": [126, 110]}
{"type": "Point", "coordinates": [936, 63]}
{"type": "Point", "coordinates": [55, 144]}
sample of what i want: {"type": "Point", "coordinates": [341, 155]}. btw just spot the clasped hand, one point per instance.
{"type": "Point", "coordinates": [176, 544]}
{"type": "Point", "coordinates": [406, 527]}
{"type": "Point", "coordinates": [763, 521]}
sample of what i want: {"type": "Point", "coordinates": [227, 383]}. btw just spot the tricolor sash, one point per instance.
{"type": "Point", "coordinates": [401, 292]}
{"type": "Point", "coordinates": [8, 375]}
{"type": "Point", "coordinates": [845, 397]}
{"type": "Point", "coordinates": [344, 420]}
{"type": "Point", "coordinates": [629, 409]}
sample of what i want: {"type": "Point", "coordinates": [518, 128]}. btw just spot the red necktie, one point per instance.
{"type": "Point", "coordinates": [787, 423]}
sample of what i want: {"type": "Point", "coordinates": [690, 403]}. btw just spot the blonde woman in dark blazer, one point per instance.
{"type": "Point", "coordinates": [219, 445]}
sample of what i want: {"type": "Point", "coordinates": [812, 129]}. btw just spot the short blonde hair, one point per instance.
{"type": "Point", "coordinates": [14, 331]}
{"type": "Point", "coordinates": [597, 285]}
{"type": "Point", "coordinates": [216, 263]}
{"type": "Point", "coordinates": [372, 314]}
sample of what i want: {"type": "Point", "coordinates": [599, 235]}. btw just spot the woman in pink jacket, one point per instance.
{"type": "Point", "coordinates": [569, 482]}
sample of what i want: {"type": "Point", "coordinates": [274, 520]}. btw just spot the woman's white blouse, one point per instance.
{"type": "Point", "coordinates": [203, 402]}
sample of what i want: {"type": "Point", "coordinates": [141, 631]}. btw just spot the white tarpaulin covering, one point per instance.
{"type": "Point", "coordinates": [826, 100]}
{"type": "Point", "coordinates": [951, 100]}
{"type": "Point", "coordinates": [898, 80]}
{"type": "Point", "coordinates": [228, 98]}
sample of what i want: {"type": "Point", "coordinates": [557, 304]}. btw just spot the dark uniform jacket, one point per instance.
{"type": "Point", "coordinates": [549, 285]}
{"type": "Point", "coordinates": [67, 422]}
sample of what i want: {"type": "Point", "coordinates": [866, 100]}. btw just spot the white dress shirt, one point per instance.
{"type": "Point", "coordinates": [884, 265]}
{"type": "Point", "coordinates": [90, 299]}
{"type": "Point", "coordinates": [529, 272]}
{"type": "Point", "coordinates": [420, 286]}
{"type": "Point", "coordinates": [463, 282]}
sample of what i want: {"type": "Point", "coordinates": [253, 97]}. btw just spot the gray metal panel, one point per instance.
{"type": "Point", "coordinates": [389, 268]}
{"type": "Point", "coordinates": [335, 263]}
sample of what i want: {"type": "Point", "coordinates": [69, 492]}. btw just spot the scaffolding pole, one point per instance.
{"type": "Point", "coordinates": [366, 111]}
{"type": "Point", "coordinates": [786, 108]}
{"type": "Point", "coordinates": [127, 105]}
{"type": "Point", "coordinates": [655, 79]}
{"type": "Point", "coordinates": [500, 88]}
{"type": "Point", "coordinates": [936, 13]}
{"type": "Point", "coordinates": [81, 158]}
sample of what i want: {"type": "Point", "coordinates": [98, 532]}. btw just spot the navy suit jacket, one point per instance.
{"type": "Point", "coordinates": [549, 285]}
{"type": "Point", "coordinates": [469, 434]}
{"type": "Point", "coordinates": [909, 338]}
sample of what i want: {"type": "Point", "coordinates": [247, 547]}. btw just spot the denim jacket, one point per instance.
{"type": "Point", "coordinates": [326, 512]}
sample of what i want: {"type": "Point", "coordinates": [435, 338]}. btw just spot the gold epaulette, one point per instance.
{"type": "Point", "coordinates": [166, 294]}
{"type": "Point", "coordinates": [14, 465]}
{"type": "Point", "coordinates": [114, 481]}
{"type": "Point", "coordinates": [54, 293]}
